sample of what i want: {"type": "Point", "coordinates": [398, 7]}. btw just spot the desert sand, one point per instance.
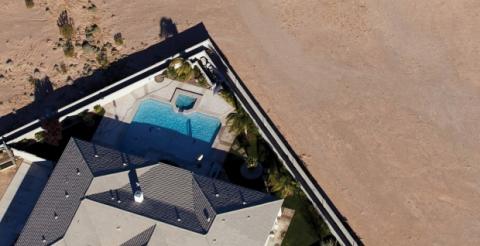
{"type": "Point", "coordinates": [380, 98]}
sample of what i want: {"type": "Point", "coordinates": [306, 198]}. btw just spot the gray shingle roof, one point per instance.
{"type": "Point", "coordinates": [42, 228]}
{"type": "Point", "coordinates": [171, 195]}
{"type": "Point", "coordinates": [102, 160]}
{"type": "Point", "coordinates": [140, 239]}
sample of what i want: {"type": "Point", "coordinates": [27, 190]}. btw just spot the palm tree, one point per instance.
{"type": "Point", "coordinates": [281, 183]}
{"type": "Point", "coordinates": [240, 122]}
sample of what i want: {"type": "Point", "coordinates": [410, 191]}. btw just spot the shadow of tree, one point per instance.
{"type": "Point", "coordinates": [43, 87]}
{"type": "Point", "coordinates": [168, 28]}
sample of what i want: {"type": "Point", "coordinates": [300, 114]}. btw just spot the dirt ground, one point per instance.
{"type": "Point", "coordinates": [380, 98]}
{"type": "Point", "coordinates": [6, 177]}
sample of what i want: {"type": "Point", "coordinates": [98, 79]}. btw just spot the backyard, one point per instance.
{"type": "Point", "coordinates": [251, 150]}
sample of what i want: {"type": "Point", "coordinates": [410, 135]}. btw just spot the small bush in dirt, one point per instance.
{"type": "Point", "coordinates": [63, 68]}
{"type": "Point", "coordinates": [102, 58]}
{"type": "Point", "coordinates": [118, 38]}
{"type": "Point", "coordinates": [91, 6]}
{"type": "Point", "coordinates": [93, 28]}
{"type": "Point", "coordinates": [29, 3]}
{"type": "Point", "coordinates": [65, 24]}
{"type": "Point", "coordinates": [88, 48]}
{"type": "Point", "coordinates": [69, 49]}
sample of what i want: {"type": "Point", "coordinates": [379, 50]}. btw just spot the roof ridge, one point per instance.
{"type": "Point", "coordinates": [75, 141]}
{"type": "Point", "coordinates": [207, 214]}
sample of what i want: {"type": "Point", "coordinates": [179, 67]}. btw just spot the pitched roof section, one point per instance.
{"type": "Point", "coordinates": [225, 197]}
{"type": "Point", "coordinates": [140, 239]}
{"type": "Point", "coordinates": [59, 200]}
{"type": "Point", "coordinates": [102, 160]}
{"type": "Point", "coordinates": [66, 187]}
{"type": "Point", "coordinates": [171, 195]}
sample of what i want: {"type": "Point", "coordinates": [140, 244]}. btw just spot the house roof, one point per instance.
{"type": "Point", "coordinates": [174, 199]}
{"type": "Point", "coordinates": [140, 239]}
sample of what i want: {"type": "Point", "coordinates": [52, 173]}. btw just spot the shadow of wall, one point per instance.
{"type": "Point", "coordinates": [54, 100]}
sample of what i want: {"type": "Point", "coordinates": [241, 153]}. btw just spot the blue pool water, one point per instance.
{"type": "Point", "coordinates": [195, 125]}
{"type": "Point", "coordinates": [185, 102]}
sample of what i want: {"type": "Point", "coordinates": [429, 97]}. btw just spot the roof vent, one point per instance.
{"type": "Point", "coordinates": [78, 171]}
{"type": "Point", "coordinates": [66, 194]}
{"type": "Point", "coordinates": [124, 164]}
{"type": "Point", "coordinates": [111, 195]}
{"type": "Point", "coordinates": [96, 156]}
{"type": "Point", "coordinates": [138, 196]}
{"type": "Point", "coordinates": [217, 195]}
{"type": "Point", "coordinates": [44, 240]}
{"type": "Point", "coordinates": [55, 215]}
{"type": "Point", "coordinates": [244, 203]}
{"type": "Point", "coordinates": [118, 197]}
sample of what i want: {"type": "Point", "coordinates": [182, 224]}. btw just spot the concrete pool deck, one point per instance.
{"type": "Point", "coordinates": [173, 146]}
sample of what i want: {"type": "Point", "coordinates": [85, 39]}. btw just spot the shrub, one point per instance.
{"type": "Point", "coordinates": [118, 38]}
{"type": "Point", "coordinates": [99, 110]}
{"type": "Point", "coordinates": [203, 82]}
{"type": "Point", "coordinates": [40, 136]}
{"type": "Point", "coordinates": [69, 49]}
{"type": "Point", "coordinates": [93, 28]}
{"type": "Point", "coordinates": [65, 24]}
{"type": "Point", "coordinates": [63, 68]}
{"type": "Point", "coordinates": [29, 3]}
{"type": "Point", "coordinates": [102, 58]}
{"type": "Point", "coordinates": [228, 97]}
{"type": "Point", "coordinates": [88, 48]}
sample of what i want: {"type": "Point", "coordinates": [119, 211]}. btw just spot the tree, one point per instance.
{"type": "Point", "coordinates": [281, 182]}
{"type": "Point", "coordinates": [240, 122]}
{"type": "Point", "coordinates": [53, 131]}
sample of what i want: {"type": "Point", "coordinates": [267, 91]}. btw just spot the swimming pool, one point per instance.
{"type": "Point", "coordinates": [184, 102]}
{"type": "Point", "coordinates": [196, 125]}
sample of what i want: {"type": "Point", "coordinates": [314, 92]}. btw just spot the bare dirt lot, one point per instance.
{"type": "Point", "coordinates": [380, 98]}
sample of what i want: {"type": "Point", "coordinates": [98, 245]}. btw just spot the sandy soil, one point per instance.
{"type": "Point", "coordinates": [380, 98]}
{"type": "Point", "coordinates": [6, 176]}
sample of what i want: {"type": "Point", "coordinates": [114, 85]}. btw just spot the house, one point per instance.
{"type": "Point", "coordinates": [100, 196]}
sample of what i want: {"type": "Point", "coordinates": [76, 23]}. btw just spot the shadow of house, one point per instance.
{"type": "Point", "coordinates": [168, 28]}
{"type": "Point", "coordinates": [158, 144]}
{"type": "Point", "coordinates": [101, 78]}
{"type": "Point", "coordinates": [23, 202]}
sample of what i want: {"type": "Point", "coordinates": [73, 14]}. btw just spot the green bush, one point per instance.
{"type": "Point", "coordinates": [29, 3]}
{"type": "Point", "coordinates": [228, 97]}
{"type": "Point", "coordinates": [118, 38]}
{"type": "Point", "coordinates": [63, 68]}
{"type": "Point", "coordinates": [93, 28]}
{"type": "Point", "coordinates": [99, 110]}
{"type": "Point", "coordinates": [40, 136]}
{"type": "Point", "coordinates": [102, 58]}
